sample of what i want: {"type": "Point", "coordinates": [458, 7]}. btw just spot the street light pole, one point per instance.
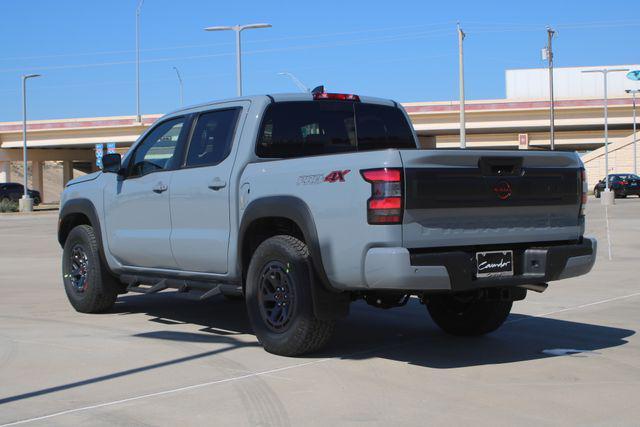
{"type": "Point", "coordinates": [550, 34]}
{"type": "Point", "coordinates": [238, 29]}
{"type": "Point", "coordinates": [463, 125]}
{"type": "Point", "coordinates": [26, 203]}
{"type": "Point", "coordinates": [296, 81]}
{"type": "Point", "coordinates": [138, 9]}
{"type": "Point", "coordinates": [635, 153]}
{"type": "Point", "coordinates": [607, 199]}
{"type": "Point", "coordinates": [238, 63]}
{"type": "Point", "coordinates": [181, 86]}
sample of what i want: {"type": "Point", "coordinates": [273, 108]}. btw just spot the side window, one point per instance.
{"type": "Point", "coordinates": [212, 137]}
{"type": "Point", "coordinates": [158, 148]}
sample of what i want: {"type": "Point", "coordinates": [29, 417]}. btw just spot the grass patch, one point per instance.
{"type": "Point", "coordinates": [8, 206]}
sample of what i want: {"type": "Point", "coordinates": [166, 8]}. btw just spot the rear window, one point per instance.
{"type": "Point", "coordinates": [297, 129]}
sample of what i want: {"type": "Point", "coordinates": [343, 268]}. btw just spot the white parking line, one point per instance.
{"type": "Point", "coordinates": [606, 215]}
{"type": "Point", "coordinates": [164, 392]}
{"type": "Point", "coordinates": [271, 371]}
{"type": "Point", "coordinates": [576, 307]}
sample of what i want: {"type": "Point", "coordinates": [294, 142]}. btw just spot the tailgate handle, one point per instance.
{"type": "Point", "coordinates": [500, 166]}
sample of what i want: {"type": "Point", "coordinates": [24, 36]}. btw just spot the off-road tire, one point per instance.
{"type": "Point", "coordinates": [101, 288]}
{"type": "Point", "coordinates": [469, 317]}
{"type": "Point", "coordinates": [305, 333]}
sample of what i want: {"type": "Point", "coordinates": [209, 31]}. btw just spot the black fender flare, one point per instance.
{"type": "Point", "coordinates": [84, 207]}
{"type": "Point", "coordinates": [329, 302]}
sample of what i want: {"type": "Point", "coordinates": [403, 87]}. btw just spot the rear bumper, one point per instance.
{"type": "Point", "coordinates": [453, 270]}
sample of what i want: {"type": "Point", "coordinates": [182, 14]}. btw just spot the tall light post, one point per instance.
{"type": "Point", "coordinates": [181, 86]}
{"type": "Point", "coordinates": [549, 54]}
{"type": "Point", "coordinates": [463, 125]}
{"type": "Point", "coordinates": [296, 81]}
{"type": "Point", "coordinates": [26, 203]}
{"type": "Point", "coordinates": [608, 197]}
{"type": "Point", "coordinates": [238, 29]}
{"type": "Point", "coordinates": [635, 76]}
{"type": "Point", "coordinates": [138, 9]}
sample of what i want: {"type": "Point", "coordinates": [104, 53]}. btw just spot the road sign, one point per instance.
{"type": "Point", "coordinates": [523, 141]}
{"type": "Point", "coordinates": [633, 75]}
{"type": "Point", "coordinates": [99, 153]}
{"type": "Point", "coordinates": [111, 148]}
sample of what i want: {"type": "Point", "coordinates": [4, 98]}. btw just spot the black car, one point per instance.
{"type": "Point", "coordinates": [622, 184]}
{"type": "Point", "coordinates": [14, 191]}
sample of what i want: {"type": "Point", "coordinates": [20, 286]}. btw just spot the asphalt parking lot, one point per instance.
{"type": "Point", "coordinates": [165, 359]}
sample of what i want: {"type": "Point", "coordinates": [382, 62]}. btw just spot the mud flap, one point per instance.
{"type": "Point", "coordinates": [329, 305]}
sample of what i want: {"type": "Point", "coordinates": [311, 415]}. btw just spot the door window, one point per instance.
{"type": "Point", "coordinates": [212, 138]}
{"type": "Point", "coordinates": [157, 151]}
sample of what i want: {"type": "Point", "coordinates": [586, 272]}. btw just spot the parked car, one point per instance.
{"type": "Point", "coordinates": [622, 184]}
{"type": "Point", "coordinates": [13, 191]}
{"type": "Point", "coordinates": [304, 203]}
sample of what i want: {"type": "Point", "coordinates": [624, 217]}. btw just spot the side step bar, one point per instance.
{"type": "Point", "coordinates": [138, 287]}
{"type": "Point", "coordinates": [151, 285]}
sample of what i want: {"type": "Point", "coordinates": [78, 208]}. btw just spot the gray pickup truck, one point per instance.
{"type": "Point", "coordinates": [304, 203]}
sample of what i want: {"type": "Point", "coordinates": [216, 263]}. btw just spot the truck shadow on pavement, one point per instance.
{"type": "Point", "coordinates": [404, 334]}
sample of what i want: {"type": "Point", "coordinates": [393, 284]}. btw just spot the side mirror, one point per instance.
{"type": "Point", "coordinates": [111, 163]}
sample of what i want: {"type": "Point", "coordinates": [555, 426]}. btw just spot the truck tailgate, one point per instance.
{"type": "Point", "coordinates": [482, 197]}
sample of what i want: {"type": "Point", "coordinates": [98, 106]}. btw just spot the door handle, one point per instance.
{"type": "Point", "coordinates": [217, 184]}
{"type": "Point", "coordinates": [160, 188]}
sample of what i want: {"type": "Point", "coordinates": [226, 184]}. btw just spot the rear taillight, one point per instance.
{"type": "Point", "coordinates": [336, 96]}
{"type": "Point", "coordinates": [584, 185]}
{"type": "Point", "coordinates": [385, 204]}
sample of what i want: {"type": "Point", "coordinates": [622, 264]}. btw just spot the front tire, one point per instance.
{"type": "Point", "coordinates": [466, 315]}
{"type": "Point", "coordinates": [279, 300]}
{"type": "Point", "coordinates": [89, 286]}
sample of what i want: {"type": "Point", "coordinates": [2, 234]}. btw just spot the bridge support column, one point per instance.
{"type": "Point", "coordinates": [37, 178]}
{"type": "Point", "coordinates": [67, 171]}
{"type": "Point", "coordinates": [5, 171]}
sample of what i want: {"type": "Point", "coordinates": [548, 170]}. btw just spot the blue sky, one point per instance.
{"type": "Point", "coordinates": [406, 50]}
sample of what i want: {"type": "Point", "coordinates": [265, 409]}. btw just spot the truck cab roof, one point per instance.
{"type": "Point", "coordinates": [276, 97]}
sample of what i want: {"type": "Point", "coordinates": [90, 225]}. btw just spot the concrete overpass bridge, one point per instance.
{"type": "Point", "coordinates": [490, 124]}
{"type": "Point", "coordinates": [68, 141]}
{"type": "Point", "coordinates": [579, 123]}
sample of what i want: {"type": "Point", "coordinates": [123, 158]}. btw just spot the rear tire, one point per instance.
{"type": "Point", "coordinates": [88, 284]}
{"type": "Point", "coordinates": [279, 300]}
{"type": "Point", "coordinates": [466, 315]}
